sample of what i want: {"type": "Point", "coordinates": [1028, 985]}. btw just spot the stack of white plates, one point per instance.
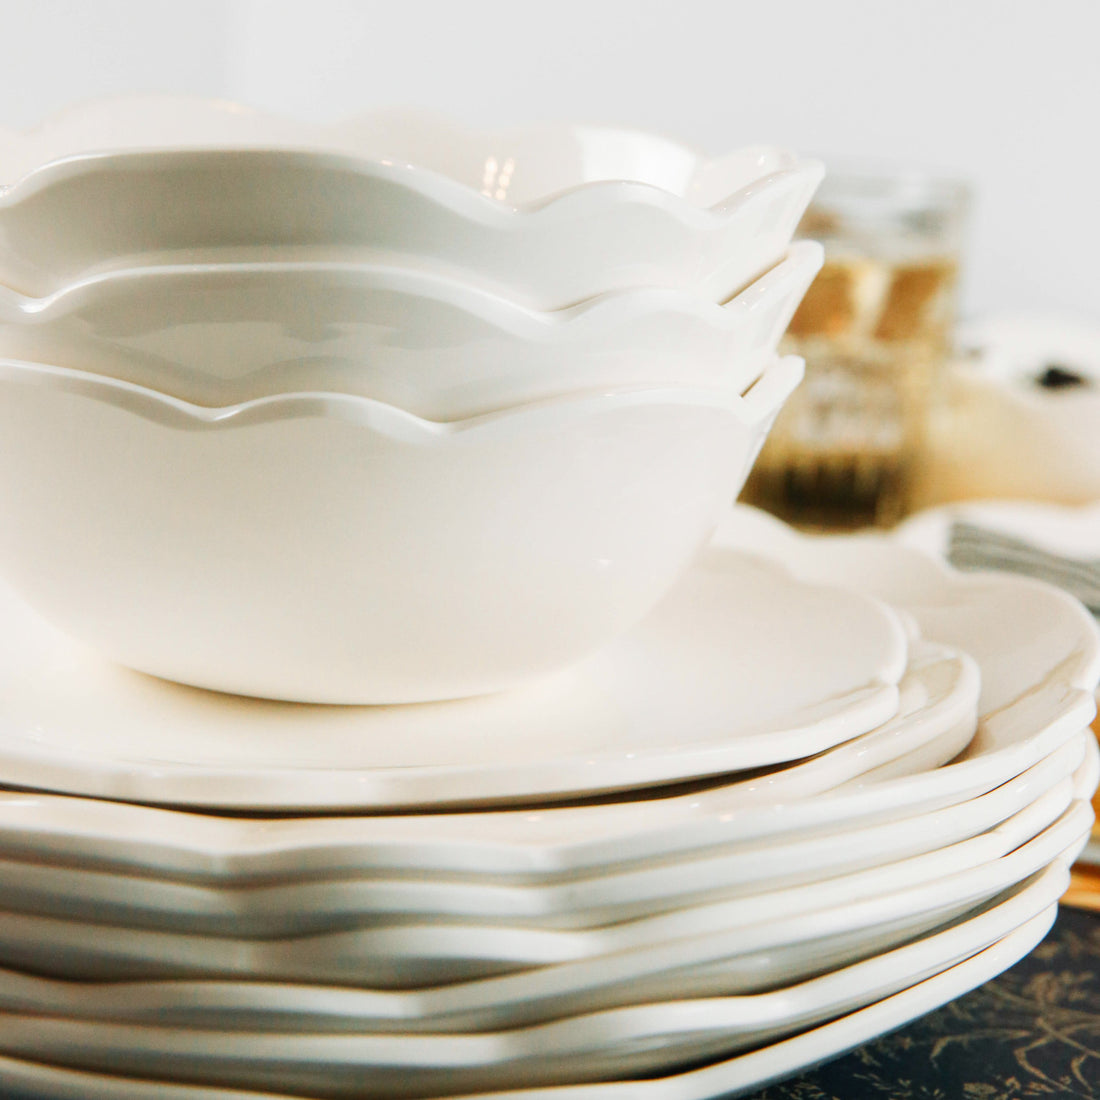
{"type": "Point", "coordinates": [827, 786]}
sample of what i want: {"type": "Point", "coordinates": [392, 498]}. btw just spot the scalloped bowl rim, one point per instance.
{"type": "Point", "coordinates": [751, 408]}
{"type": "Point", "coordinates": [800, 262]}
{"type": "Point", "coordinates": [444, 187]}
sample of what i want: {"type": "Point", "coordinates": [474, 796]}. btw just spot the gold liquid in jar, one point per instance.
{"type": "Point", "coordinates": [874, 329]}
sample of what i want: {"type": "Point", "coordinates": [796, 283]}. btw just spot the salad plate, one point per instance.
{"type": "Point", "coordinates": [701, 688]}
{"type": "Point", "coordinates": [1038, 649]}
{"type": "Point", "coordinates": [726, 883]}
{"type": "Point", "coordinates": [439, 967]}
{"type": "Point", "coordinates": [724, 1078]}
{"type": "Point", "coordinates": [956, 611]}
{"type": "Point", "coordinates": [618, 1042]}
{"type": "Point", "coordinates": [938, 699]}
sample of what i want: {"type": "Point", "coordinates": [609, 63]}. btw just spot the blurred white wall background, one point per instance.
{"type": "Point", "coordinates": [1005, 93]}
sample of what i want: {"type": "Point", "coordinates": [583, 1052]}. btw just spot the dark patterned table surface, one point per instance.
{"type": "Point", "coordinates": [1032, 1032]}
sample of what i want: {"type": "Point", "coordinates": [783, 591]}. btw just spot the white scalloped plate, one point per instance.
{"type": "Point", "coordinates": [1055, 528]}
{"type": "Point", "coordinates": [434, 969]}
{"type": "Point", "coordinates": [615, 1043]}
{"type": "Point", "coordinates": [937, 718]}
{"type": "Point", "coordinates": [608, 967]}
{"type": "Point", "coordinates": [727, 1078]}
{"type": "Point", "coordinates": [702, 687]}
{"type": "Point", "coordinates": [1037, 647]}
{"type": "Point", "coordinates": [724, 1078]}
{"type": "Point", "coordinates": [399, 1065]}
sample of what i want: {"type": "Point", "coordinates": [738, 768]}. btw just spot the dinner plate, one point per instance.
{"type": "Point", "coordinates": [702, 687]}
{"type": "Point", "coordinates": [747, 1072]}
{"type": "Point", "coordinates": [1039, 658]}
{"type": "Point", "coordinates": [615, 1043]}
{"type": "Point", "coordinates": [437, 967]}
{"type": "Point", "coordinates": [1071, 536]}
{"type": "Point", "coordinates": [938, 696]}
{"type": "Point", "coordinates": [898, 568]}
{"type": "Point", "coordinates": [424, 908]}
{"type": "Point", "coordinates": [725, 1078]}
{"type": "Point", "coordinates": [256, 1005]}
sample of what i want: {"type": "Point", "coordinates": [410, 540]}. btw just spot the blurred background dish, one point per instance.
{"type": "Point", "coordinates": [1017, 416]}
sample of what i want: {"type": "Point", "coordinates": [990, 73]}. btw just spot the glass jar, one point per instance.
{"type": "Point", "coordinates": [875, 329]}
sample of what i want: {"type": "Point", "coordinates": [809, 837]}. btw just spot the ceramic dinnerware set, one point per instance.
{"type": "Point", "coordinates": [439, 426]}
{"type": "Point", "coordinates": [549, 354]}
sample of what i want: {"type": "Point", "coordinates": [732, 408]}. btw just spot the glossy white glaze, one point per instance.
{"type": "Point", "coordinates": [227, 333]}
{"type": "Point", "coordinates": [408, 1065]}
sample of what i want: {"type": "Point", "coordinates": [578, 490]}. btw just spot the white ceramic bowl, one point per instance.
{"type": "Point", "coordinates": [328, 548]}
{"type": "Point", "coordinates": [224, 334]}
{"type": "Point", "coordinates": [547, 215]}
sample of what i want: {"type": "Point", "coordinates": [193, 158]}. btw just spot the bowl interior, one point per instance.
{"type": "Point", "coordinates": [520, 167]}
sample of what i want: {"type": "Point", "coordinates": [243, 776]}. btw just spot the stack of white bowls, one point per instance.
{"type": "Point", "coordinates": [381, 413]}
{"type": "Point", "coordinates": [437, 425]}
